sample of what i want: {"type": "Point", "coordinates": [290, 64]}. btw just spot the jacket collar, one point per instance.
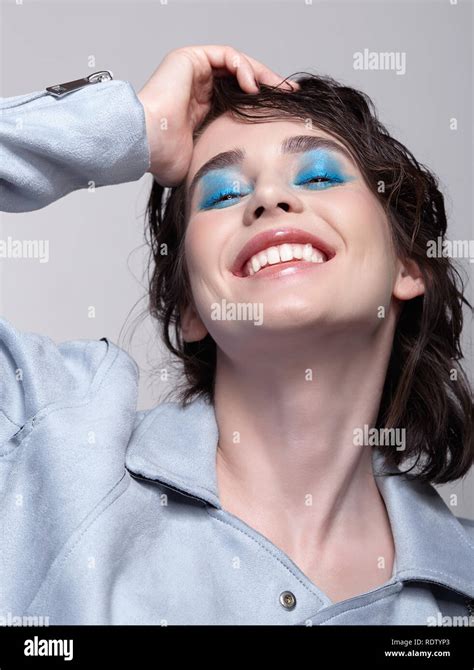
{"type": "Point", "coordinates": [176, 446]}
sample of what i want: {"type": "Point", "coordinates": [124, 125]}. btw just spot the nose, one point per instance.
{"type": "Point", "coordinates": [270, 201]}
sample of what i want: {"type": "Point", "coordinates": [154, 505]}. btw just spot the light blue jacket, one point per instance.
{"type": "Point", "coordinates": [109, 515]}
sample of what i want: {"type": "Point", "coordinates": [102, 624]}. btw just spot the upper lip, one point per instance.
{"type": "Point", "coordinates": [270, 238]}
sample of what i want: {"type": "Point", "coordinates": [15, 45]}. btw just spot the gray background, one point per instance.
{"type": "Point", "coordinates": [96, 239]}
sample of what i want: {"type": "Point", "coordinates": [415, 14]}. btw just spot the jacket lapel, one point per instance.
{"type": "Point", "coordinates": [176, 446]}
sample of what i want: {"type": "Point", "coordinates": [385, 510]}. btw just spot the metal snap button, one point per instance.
{"type": "Point", "coordinates": [288, 600]}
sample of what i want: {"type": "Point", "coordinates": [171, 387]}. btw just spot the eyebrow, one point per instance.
{"type": "Point", "coordinates": [291, 145]}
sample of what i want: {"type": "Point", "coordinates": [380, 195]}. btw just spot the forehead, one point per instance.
{"type": "Point", "coordinates": [226, 133]}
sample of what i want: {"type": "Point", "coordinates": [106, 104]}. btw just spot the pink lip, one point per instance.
{"type": "Point", "coordinates": [269, 238]}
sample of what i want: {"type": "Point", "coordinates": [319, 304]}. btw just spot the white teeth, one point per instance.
{"type": "Point", "coordinates": [255, 264]}
{"type": "Point", "coordinates": [281, 254]}
{"type": "Point", "coordinates": [317, 256]}
{"type": "Point", "coordinates": [273, 255]}
{"type": "Point", "coordinates": [307, 252]}
{"type": "Point", "coordinates": [297, 251]}
{"type": "Point", "coordinates": [286, 252]}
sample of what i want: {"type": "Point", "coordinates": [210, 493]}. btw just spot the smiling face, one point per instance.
{"type": "Point", "coordinates": [280, 215]}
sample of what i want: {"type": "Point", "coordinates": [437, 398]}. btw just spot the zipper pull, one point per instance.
{"type": "Point", "coordinates": [58, 90]}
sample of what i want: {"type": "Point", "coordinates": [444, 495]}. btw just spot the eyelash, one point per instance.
{"type": "Point", "coordinates": [328, 179]}
{"type": "Point", "coordinates": [223, 197]}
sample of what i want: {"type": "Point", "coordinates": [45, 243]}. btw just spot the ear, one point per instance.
{"type": "Point", "coordinates": [192, 328]}
{"type": "Point", "coordinates": [409, 282]}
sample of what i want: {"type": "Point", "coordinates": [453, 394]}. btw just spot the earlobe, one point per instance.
{"type": "Point", "coordinates": [192, 328]}
{"type": "Point", "coordinates": [409, 283]}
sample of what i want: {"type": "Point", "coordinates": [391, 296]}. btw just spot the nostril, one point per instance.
{"type": "Point", "coordinates": [283, 205]}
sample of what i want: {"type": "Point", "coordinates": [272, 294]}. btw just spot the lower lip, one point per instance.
{"type": "Point", "coordinates": [284, 269]}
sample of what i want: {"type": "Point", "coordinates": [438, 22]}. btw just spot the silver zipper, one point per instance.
{"type": "Point", "coordinates": [58, 90]}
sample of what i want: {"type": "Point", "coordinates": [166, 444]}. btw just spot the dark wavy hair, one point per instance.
{"type": "Point", "coordinates": [426, 390]}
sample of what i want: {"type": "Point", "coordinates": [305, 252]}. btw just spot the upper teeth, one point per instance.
{"type": "Point", "coordinates": [281, 254]}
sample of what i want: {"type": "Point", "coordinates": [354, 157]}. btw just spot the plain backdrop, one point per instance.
{"type": "Point", "coordinates": [97, 251]}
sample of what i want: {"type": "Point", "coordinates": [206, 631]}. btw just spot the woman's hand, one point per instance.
{"type": "Point", "coordinates": [178, 96]}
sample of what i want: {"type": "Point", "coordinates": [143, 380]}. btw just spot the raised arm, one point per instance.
{"type": "Point", "coordinates": [67, 410]}
{"type": "Point", "coordinates": [56, 141]}
{"type": "Point", "coordinates": [97, 131]}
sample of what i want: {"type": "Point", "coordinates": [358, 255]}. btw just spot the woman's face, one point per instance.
{"type": "Point", "coordinates": [331, 265]}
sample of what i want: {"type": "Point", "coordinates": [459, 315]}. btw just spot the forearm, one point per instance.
{"type": "Point", "coordinates": [93, 136]}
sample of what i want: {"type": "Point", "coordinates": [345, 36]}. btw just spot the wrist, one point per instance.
{"type": "Point", "coordinates": [150, 129]}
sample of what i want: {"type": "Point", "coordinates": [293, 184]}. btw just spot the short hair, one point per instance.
{"type": "Point", "coordinates": [426, 390]}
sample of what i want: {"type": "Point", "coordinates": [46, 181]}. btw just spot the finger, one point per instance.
{"type": "Point", "coordinates": [266, 76]}
{"type": "Point", "coordinates": [234, 62]}
{"type": "Point", "coordinates": [270, 81]}
{"type": "Point", "coordinates": [246, 71]}
{"type": "Point", "coordinates": [225, 59]}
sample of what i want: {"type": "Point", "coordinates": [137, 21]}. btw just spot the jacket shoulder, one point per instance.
{"type": "Point", "coordinates": [66, 416]}
{"type": "Point", "coordinates": [37, 374]}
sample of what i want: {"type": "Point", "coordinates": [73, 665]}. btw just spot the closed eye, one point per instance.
{"type": "Point", "coordinates": [322, 180]}
{"type": "Point", "coordinates": [222, 199]}
{"type": "Point", "coordinates": [227, 196]}
{"type": "Point", "coordinates": [317, 179]}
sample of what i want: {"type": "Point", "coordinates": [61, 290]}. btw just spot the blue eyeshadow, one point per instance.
{"type": "Point", "coordinates": [220, 183]}
{"type": "Point", "coordinates": [321, 164]}
{"type": "Point", "coordinates": [223, 187]}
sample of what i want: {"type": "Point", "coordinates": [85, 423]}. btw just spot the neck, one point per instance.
{"type": "Point", "coordinates": [286, 456]}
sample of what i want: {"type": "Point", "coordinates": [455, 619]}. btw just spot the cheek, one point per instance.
{"type": "Point", "coordinates": [203, 246]}
{"type": "Point", "coordinates": [364, 228]}
{"type": "Point", "coordinates": [365, 231]}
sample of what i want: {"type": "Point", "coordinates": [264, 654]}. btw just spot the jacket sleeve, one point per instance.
{"type": "Point", "coordinates": [51, 146]}
{"type": "Point", "coordinates": [66, 410]}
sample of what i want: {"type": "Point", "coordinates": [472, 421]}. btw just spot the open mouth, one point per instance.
{"type": "Point", "coordinates": [279, 249]}
{"type": "Point", "coordinates": [282, 255]}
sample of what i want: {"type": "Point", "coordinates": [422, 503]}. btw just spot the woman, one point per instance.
{"type": "Point", "coordinates": [289, 257]}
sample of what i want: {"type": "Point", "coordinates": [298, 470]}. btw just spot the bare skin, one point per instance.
{"type": "Point", "coordinates": [179, 92]}
{"type": "Point", "coordinates": [286, 460]}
